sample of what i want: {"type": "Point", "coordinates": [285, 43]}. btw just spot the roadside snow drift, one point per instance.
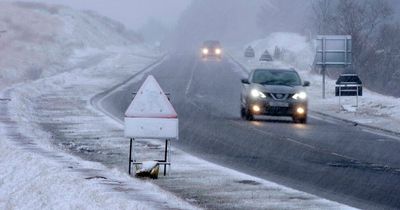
{"type": "Point", "coordinates": [37, 39]}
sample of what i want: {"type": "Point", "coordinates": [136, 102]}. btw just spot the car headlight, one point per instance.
{"type": "Point", "coordinates": [300, 95]}
{"type": "Point", "coordinates": [205, 51]}
{"type": "Point", "coordinates": [257, 94]}
{"type": "Point", "coordinates": [218, 51]}
{"type": "Point", "coordinates": [300, 110]}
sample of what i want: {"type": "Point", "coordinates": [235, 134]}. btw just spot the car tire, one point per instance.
{"type": "Point", "coordinates": [248, 115]}
{"type": "Point", "coordinates": [242, 113]}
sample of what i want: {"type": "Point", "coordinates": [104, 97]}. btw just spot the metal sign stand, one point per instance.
{"type": "Point", "coordinates": [340, 95]}
{"type": "Point", "coordinates": [130, 156]}
{"type": "Point", "coordinates": [167, 154]}
{"type": "Point", "coordinates": [348, 85]}
{"type": "Point", "coordinates": [323, 66]}
{"type": "Point", "coordinates": [323, 80]}
{"type": "Point", "coordinates": [151, 116]}
{"type": "Point", "coordinates": [166, 161]}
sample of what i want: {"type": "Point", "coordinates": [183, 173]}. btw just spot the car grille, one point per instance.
{"type": "Point", "coordinates": [278, 110]}
{"type": "Point", "coordinates": [279, 96]}
{"type": "Point", "coordinates": [275, 96]}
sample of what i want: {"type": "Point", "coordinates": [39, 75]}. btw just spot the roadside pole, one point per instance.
{"type": "Point", "coordinates": [323, 80]}
{"type": "Point", "coordinates": [323, 66]}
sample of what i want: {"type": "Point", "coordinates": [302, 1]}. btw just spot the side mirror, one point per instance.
{"type": "Point", "coordinates": [245, 81]}
{"type": "Point", "coordinates": [306, 84]}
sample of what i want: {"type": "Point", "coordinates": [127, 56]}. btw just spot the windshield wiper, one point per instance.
{"type": "Point", "coordinates": [270, 82]}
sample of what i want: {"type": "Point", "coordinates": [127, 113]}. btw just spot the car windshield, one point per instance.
{"type": "Point", "coordinates": [212, 44]}
{"type": "Point", "coordinates": [276, 77]}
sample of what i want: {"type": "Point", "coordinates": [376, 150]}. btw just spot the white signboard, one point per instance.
{"type": "Point", "coordinates": [150, 114]}
{"type": "Point", "coordinates": [333, 50]}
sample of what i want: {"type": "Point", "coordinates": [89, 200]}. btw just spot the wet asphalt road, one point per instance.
{"type": "Point", "coordinates": [332, 159]}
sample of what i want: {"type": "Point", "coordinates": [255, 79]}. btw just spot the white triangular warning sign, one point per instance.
{"type": "Point", "coordinates": [150, 102]}
{"type": "Point", "coordinates": [150, 114]}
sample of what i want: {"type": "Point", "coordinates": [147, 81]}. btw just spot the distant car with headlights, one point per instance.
{"type": "Point", "coordinates": [274, 92]}
{"type": "Point", "coordinates": [211, 49]}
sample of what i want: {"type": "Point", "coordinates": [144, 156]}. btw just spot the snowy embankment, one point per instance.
{"type": "Point", "coordinates": [374, 109]}
{"type": "Point", "coordinates": [71, 56]}
{"type": "Point", "coordinates": [36, 40]}
{"type": "Point", "coordinates": [40, 171]}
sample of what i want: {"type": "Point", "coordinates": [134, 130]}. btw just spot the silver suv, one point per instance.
{"type": "Point", "coordinates": [274, 92]}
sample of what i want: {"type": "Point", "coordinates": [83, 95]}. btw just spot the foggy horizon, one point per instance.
{"type": "Point", "coordinates": [132, 13]}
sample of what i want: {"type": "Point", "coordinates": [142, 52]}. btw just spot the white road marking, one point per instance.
{"type": "Point", "coordinates": [191, 78]}
{"type": "Point", "coordinates": [389, 136]}
{"type": "Point", "coordinates": [98, 103]}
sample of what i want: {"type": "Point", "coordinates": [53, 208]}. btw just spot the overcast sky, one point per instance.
{"type": "Point", "coordinates": [132, 13]}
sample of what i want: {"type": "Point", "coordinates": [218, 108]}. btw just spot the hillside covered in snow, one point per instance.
{"type": "Point", "coordinates": [37, 40]}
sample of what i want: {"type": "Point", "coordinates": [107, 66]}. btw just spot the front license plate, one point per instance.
{"type": "Point", "coordinates": [279, 104]}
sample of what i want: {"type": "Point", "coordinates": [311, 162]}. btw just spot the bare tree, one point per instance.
{"type": "Point", "coordinates": [323, 16]}
{"type": "Point", "coordinates": [382, 71]}
{"type": "Point", "coordinates": [376, 46]}
{"type": "Point", "coordinates": [360, 19]}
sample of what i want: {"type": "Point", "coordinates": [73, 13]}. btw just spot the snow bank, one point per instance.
{"type": "Point", "coordinates": [297, 51]}
{"type": "Point", "coordinates": [37, 39]}
{"type": "Point", "coordinates": [71, 56]}
{"type": "Point", "coordinates": [29, 181]}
